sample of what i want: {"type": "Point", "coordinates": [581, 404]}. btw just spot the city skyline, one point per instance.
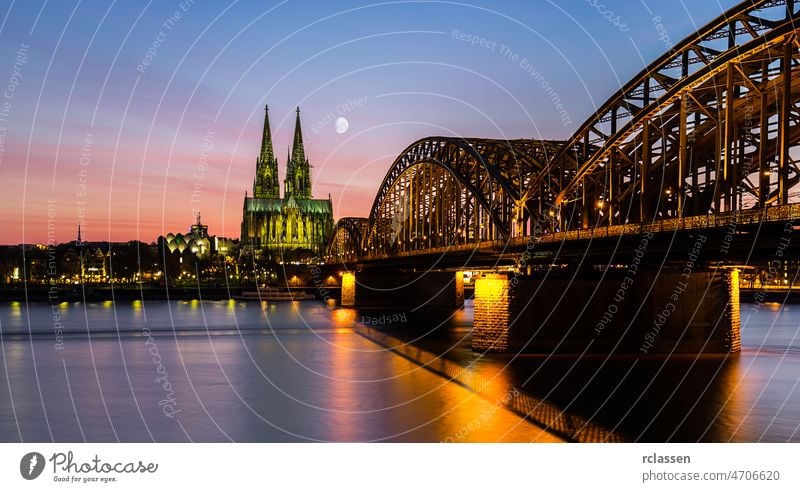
{"type": "Point", "coordinates": [135, 123]}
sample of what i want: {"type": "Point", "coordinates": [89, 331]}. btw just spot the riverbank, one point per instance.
{"type": "Point", "coordinates": [104, 293]}
{"type": "Point", "coordinates": [101, 293]}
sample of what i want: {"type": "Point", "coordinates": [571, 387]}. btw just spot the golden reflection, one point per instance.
{"type": "Point", "coordinates": [345, 395]}
{"type": "Point", "coordinates": [492, 380]}
{"type": "Point", "coordinates": [458, 414]}
{"type": "Point", "coordinates": [108, 304]}
{"type": "Point", "coordinates": [16, 309]}
{"type": "Point", "coordinates": [734, 388]}
{"type": "Point", "coordinates": [344, 317]}
{"type": "Point", "coordinates": [136, 305]}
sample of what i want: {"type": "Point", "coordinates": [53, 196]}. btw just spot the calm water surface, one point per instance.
{"type": "Point", "coordinates": [223, 371]}
{"type": "Point", "coordinates": [250, 371]}
{"type": "Point", "coordinates": [751, 396]}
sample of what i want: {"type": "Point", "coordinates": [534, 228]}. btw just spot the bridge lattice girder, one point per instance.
{"type": "Point", "coordinates": [347, 237]}
{"type": "Point", "coordinates": [447, 190]}
{"type": "Point", "coordinates": [706, 128]}
{"type": "Point", "coordinates": [709, 127]}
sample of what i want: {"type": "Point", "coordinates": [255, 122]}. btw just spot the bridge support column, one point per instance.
{"type": "Point", "coordinates": [652, 312]}
{"type": "Point", "coordinates": [403, 289]}
{"type": "Point", "coordinates": [348, 289]}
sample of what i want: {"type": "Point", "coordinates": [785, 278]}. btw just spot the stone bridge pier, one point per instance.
{"type": "Point", "coordinates": [402, 289]}
{"type": "Point", "coordinates": [671, 311]}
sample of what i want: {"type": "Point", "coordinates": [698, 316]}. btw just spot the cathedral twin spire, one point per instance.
{"type": "Point", "coordinates": [265, 184]}
{"type": "Point", "coordinates": [298, 170]}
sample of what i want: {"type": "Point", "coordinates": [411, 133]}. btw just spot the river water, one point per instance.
{"type": "Point", "coordinates": [298, 371]}
{"type": "Point", "coordinates": [223, 371]}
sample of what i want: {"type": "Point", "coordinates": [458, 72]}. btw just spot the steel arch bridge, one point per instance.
{"type": "Point", "coordinates": [347, 236]}
{"type": "Point", "coordinates": [709, 128]}
{"type": "Point", "coordinates": [444, 191]}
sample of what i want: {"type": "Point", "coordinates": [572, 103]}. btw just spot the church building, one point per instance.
{"type": "Point", "coordinates": [273, 226]}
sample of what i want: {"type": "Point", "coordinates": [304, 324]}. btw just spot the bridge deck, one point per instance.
{"type": "Point", "coordinates": [719, 221]}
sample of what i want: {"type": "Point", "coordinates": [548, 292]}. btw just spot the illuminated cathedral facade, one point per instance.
{"type": "Point", "coordinates": [273, 226]}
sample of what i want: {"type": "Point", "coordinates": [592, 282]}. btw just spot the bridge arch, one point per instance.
{"type": "Point", "coordinates": [442, 191]}
{"type": "Point", "coordinates": [345, 242]}
{"type": "Point", "coordinates": [708, 127]}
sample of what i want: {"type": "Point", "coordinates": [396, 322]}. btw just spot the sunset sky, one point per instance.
{"type": "Point", "coordinates": [129, 117]}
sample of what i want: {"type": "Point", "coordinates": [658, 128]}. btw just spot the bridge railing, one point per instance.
{"type": "Point", "coordinates": [786, 213]}
{"type": "Point", "coordinates": [753, 216]}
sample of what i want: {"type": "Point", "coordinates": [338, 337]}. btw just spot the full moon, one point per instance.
{"type": "Point", "coordinates": [341, 124]}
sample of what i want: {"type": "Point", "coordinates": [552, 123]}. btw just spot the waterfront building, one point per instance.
{"type": "Point", "coordinates": [196, 241]}
{"type": "Point", "coordinates": [197, 255]}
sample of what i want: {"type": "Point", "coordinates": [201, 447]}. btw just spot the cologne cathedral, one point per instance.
{"type": "Point", "coordinates": [297, 223]}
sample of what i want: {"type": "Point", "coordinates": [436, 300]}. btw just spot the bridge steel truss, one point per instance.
{"type": "Point", "coordinates": [347, 237]}
{"type": "Point", "coordinates": [445, 191]}
{"type": "Point", "coordinates": [709, 127]}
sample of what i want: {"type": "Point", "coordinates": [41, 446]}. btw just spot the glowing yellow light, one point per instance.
{"type": "Point", "coordinates": [344, 317]}
{"type": "Point", "coordinates": [16, 309]}
{"type": "Point", "coordinates": [490, 286]}
{"type": "Point", "coordinates": [348, 289]}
